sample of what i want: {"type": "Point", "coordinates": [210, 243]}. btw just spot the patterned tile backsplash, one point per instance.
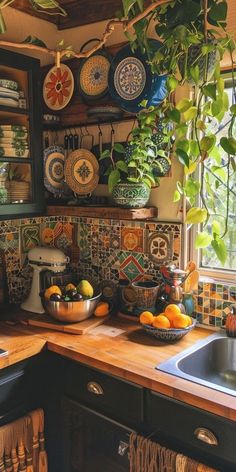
{"type": "Point", "coordinates": [104, 249]}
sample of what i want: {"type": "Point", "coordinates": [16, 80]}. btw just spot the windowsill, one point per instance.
{"type": "Point", "coordinates": [231, 280]}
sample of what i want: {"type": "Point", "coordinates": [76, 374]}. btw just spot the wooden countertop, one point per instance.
{"type": "Point", "coordinates": [132, 355]}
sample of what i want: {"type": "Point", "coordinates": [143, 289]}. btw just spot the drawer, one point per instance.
{"type": "Point", "coordinates": [179, 421]}
{"type": "Point", "coordinates": [110, 395]}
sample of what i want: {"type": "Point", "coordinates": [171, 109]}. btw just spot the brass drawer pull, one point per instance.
{"type": "Point", "coordinates": [96, 388]}
{"type": "Point", "coordinates": [206, 436]}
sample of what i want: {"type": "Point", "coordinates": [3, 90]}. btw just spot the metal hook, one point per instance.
{"type": "Point", "coordinates": [99, 128]}
{"type": "Point", "coordinates": [112, 128]}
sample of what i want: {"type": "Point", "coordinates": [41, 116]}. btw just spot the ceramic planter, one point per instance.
{"type": "Point", "coordinates": [131, 195]}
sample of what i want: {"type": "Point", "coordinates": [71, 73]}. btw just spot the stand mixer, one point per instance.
{"type": "Point", "coordinates": [42, 259]}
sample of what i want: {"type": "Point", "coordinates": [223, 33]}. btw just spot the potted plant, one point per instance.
{"type": "Point", "coordinates": [194, 40]}
{"type": "Point", "coordinates": [145, 159]}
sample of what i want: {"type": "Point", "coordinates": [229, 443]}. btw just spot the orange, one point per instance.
{"type": "Point", "coordinates": [189, 320]}
{"type": "Point", "coordinates": [50, 290]}
{"type": "Point", "coordinates": [102, 309]}
{"type": "Point", "coordinates": [161, 321]}
{"type": "Point", "coordinates": [171, 311]}
{"type": "Point", "coordinates": [181, 321]}
{"type": "Point", "coordinates": [146, 317]}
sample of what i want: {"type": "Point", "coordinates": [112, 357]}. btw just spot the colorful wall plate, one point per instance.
{"type": "Point", "coordinates": [58, 87]}
{"type": "Point", "coordinates": [82, 171]}
{"type": "Point", "coordinates": [54, 169]}
{"type": "Point", "coordinates": [131, 80]}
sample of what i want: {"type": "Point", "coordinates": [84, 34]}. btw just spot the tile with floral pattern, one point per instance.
{"type": "Point", "coordinates": [132, 239]}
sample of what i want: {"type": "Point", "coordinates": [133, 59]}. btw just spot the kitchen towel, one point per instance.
{"type": "Point", "coordinates": [149, 456]}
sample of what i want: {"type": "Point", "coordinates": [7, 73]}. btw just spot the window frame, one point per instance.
{"type": "Point", "coordinates": [221, 275]}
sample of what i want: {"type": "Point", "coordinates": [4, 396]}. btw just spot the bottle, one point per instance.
{"type": "Point", "coordinates": [231, 323]}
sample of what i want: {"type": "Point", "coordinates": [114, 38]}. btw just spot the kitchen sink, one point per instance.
{"type": "Point", "coordinates": [210, 362]}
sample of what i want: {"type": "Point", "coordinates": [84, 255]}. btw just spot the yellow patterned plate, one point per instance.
{"type": "Point", "coordinates": [82, 171]}
{"type": "Point", "coordinates": [58, 87]}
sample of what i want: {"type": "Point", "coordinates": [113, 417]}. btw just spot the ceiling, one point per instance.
{"type": "Point", "coordinates": [79, 12]}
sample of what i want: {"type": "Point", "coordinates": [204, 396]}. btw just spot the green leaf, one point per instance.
{"type": "Point", "coordinates": [207, 143]}
{"type": "Point", "coordinates": [192, 167]}
{"type": "Point", "coordinates": [34, 40]}
{"type": "Point", "coordinates": [210, 91]}
{"type": "Point", "coordinates": [220, 85]}
{"type": "Point", "coordinates": [192, 187]}
{"type": "Point", "coordinates": [132, 164]}
{"type": "Point", "coordinates": [218, 11]}
{"type": "Point", "coordinates": [183, 144]}
{"type": "Point", "coordinates": [184, 104]}
{"type": "Point", "coordinates": [47, 5]}
{"type": "Point", "coordinates": [174, 115]}
{"type": "Point", "coordinates": [216, 228]}
{"type": "Point", "coordinates": [202, 240]}
{"type": "Point", "coordinates": [183, 157]}
{"type": "Point", "coordinates": [127, 5]}
{"type": "Point", "coordinates": [190, 114]}
{"type": "Point", "coordinates": [220, 249]}
{"type": "Point", "coordinates": [177, 196]}
{"type": "Point", "coordinates": [171, 83]}
{"type": "Point", "coordinates": [195, 73]}
{"type": "Point", "coordinates": [113, 179]}
{"type": "Point", "coordinates": [121, 165]}
{"type": "Point", "coordinates": [233, 110]}
{"type": "Point", "coordinates": [2, 24]}
{"type": "Point", "coordinates": [229, 145]}
{"type": "Point", "coordinates": [196, 215]}
{"type": "Point", "coordinates": [105, 154]}
{"type": "Point", "coordinates": [217, 106]}
{"type": "Point", "coordinates": [118, 147]}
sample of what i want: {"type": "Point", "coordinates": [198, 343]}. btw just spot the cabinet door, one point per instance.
{"type": "Point", "coordinates": [21, 162]}
{"type": "Point", "coordinates": [93, 442]}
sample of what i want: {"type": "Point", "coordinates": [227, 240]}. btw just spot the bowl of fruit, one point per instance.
{"type": "Point", "coordinates": [171, 325]}
{"type": "Point", "coordinates": [72, 303]}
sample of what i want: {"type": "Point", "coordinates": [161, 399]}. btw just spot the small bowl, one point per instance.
{"type": "Point", "coordinates": [71, 312]}
{"type": "Point", "coordinates": [169, 335]}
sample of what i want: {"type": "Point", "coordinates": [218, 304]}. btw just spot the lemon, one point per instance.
{"type": "Point", "coordinates": [85, 288]}
{"type": "Point", "coordinates": [50, 290]}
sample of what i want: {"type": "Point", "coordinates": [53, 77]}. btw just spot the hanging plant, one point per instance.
{"type": "Point", "coordinates": [194, 40]}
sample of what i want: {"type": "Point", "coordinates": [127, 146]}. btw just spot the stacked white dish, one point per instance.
{"type": "Point", "coordinates": [13, 141]}
{"type": "Point", "coordinates": [9, 95]}
{"type": "Point", "coordinates": [18, 191]}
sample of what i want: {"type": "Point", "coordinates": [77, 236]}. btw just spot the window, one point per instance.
{"type": "Point", "coordinates": [207, 260]}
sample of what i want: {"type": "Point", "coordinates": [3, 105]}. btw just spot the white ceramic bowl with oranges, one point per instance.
{"type": "Point", "coordinates": [170, 325]}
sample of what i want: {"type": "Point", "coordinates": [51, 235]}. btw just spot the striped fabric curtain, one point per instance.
{"type": "Point", "coordinates": [148, 456]}
{"type": "Point", "coordinates": [22, 444]}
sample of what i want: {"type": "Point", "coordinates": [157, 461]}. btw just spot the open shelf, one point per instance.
{"type": "Point", "coordinates": [16, 160]}
{"type": "Point", "coordinates": [103, 212]}
{"type": "Point", "coordinates": [18, 111]}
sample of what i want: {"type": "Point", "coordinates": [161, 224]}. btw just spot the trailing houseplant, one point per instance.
{"type": "Point", "coordinates": [194, 40]}
{"type": "Point", "coordinates": [144, 159]}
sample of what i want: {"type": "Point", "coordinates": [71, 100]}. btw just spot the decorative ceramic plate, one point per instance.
{"type": "Point", "coordinates": [54, 169]}
{"type": "Point", "coordinates": [9, 84]}
{"type": "Point", "coordinates": [105, 113]}
{"type": "Point", "coordinates": [93, 77]}
{"type": "Point", "coordinates": [58, 87]}
{"type": "Point", "coordinates": [131, 80]}
{"type": "Point", "coordinates": [82, 171]}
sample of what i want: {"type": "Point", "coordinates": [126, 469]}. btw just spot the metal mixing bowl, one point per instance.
{"type": "Point", "coordinates": [71, 312]}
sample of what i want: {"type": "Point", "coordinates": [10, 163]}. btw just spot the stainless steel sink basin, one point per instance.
{"type": "Point", "coordinates": [210, 362]}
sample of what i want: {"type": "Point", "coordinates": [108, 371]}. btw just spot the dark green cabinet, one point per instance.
{"type": "Point", "coordinates": [21, 161]}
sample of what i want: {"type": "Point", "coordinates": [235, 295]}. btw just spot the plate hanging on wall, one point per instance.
{"type": "Point", "coordinates": [58, 87]}
{"type": "Point", "coordinates": [54, 169]}
{"type": "Point", "coordinates": [82, 171]}
{"type": "Point", "coordinates": [131, 80]}
{"type": "Point", "coordinates": [93, 74]}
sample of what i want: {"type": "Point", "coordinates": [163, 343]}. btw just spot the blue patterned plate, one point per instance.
{"type": "Point", "coordinates": [168, 335]}
{"type": "Point", "coordinates": [131, 80]}
{"type": "Point", "coordinates": [54, 169]}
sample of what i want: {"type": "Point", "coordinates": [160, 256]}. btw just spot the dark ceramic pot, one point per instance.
{"type": "Point", "coordinates": [131, 195]}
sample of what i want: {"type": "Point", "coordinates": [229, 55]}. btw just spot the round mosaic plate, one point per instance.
{"type": "Point", "coordinates": [54, 169]}
{"type": "Point", "coordinates": [82, 171]}
{"type": "Point", "coordinates": [58, 87]}
{"type": "Point", "coordinates": [131, 80]}
{"type": "Point", "coordinates": [93, 77]}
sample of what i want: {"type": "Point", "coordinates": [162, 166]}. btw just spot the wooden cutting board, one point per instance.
{"type": "Point", "coordinates": [45, 321]}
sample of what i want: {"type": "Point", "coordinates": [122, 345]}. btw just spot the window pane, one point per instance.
{"type": "Point", "coordinates": [219, 194]}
